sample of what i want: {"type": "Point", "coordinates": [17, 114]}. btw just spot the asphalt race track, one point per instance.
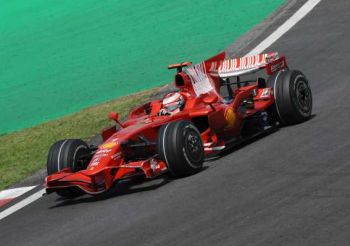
{"type": "Point", "coordinates": [289, 188]}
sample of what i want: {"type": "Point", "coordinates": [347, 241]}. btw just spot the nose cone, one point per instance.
{"type": "Point", "coordinates": [106, 155]}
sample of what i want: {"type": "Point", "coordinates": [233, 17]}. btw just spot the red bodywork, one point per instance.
{"type": "Point", "coordinates": [221, 121]}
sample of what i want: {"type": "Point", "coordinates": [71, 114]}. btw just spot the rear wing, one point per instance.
{"type": "Point", "coordinates": [250, 64]}
{"type": "Point", "coordinates": [205, 77]}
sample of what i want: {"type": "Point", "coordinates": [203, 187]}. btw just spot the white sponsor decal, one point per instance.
{"type": "Point", "coordinates": [266, 92]}
{"type": "Point", "coordinates": [116, 156]}
{"type": "Point", "coordinates": [246, 63]}
{"type": "Point", "coordinates": [154, 164]}
{"type": "Point", "coordinates": [103, 151]}
{"type": "Point", "coordinates": [201, 82]}
{"type": "Point", "coordinates": [95, 162]}
{"type": "Point", "coordinates": [277, 66]}
{"type": "Point", "coordinates": [100, 155]}
{"type": "Point", "coordinates": [115, 140]}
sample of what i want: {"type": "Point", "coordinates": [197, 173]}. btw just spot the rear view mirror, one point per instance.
{"type": "Point", "coordinates": [113, 116]}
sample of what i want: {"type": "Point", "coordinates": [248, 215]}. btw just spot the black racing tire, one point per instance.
{"type": "Point", "coordinates": [180, 146]}
{"type": "Point", "coordinates": [293, 97]}
{"type": "Point", "coordinates": [67, 153]}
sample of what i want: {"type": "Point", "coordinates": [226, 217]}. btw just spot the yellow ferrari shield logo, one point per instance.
{"type": "Point", "coordinates": [230, 117]}
{"type": "Point", "coordinates": [109, 145]}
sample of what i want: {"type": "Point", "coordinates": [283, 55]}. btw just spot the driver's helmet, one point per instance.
{"type": "Point", "coordinates": [173, 102]}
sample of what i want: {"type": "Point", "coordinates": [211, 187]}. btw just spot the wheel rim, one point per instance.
{"type": "Point", "coordinates": [193, 146]}
{"type": "Point", "coordinates": [303, 96]}
{"type": "Point", "coordinates": [79, 162]}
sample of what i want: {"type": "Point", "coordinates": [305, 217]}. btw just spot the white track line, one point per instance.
{"type": "Point", "coordinates": [285, 27]}
{"type": "Point", "coordinates": [22, 203]}
{"type": "Point", "coordinates": [16, 192]}
{"type": "Point", "coordinates": [294, 19]}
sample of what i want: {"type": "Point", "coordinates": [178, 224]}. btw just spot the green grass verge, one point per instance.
{"type": "Point", "coordinates": [24, 152]}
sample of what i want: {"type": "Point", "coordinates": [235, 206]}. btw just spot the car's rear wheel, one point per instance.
{"type": "Point", "coordinates": [180, 146]}
{"type": "Point", "coordinates": [67, 153]}
{"type": "Point", "coordinates": [293, 97]}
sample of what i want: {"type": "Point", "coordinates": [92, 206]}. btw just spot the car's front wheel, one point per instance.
{"type": "Point", "coordinates": [67, 153]}
{"type": "Point", "coordinates": [180, 146]}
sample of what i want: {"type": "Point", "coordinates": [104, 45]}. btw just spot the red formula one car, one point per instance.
{"type": "Point", "coordinates": [213, 108]}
